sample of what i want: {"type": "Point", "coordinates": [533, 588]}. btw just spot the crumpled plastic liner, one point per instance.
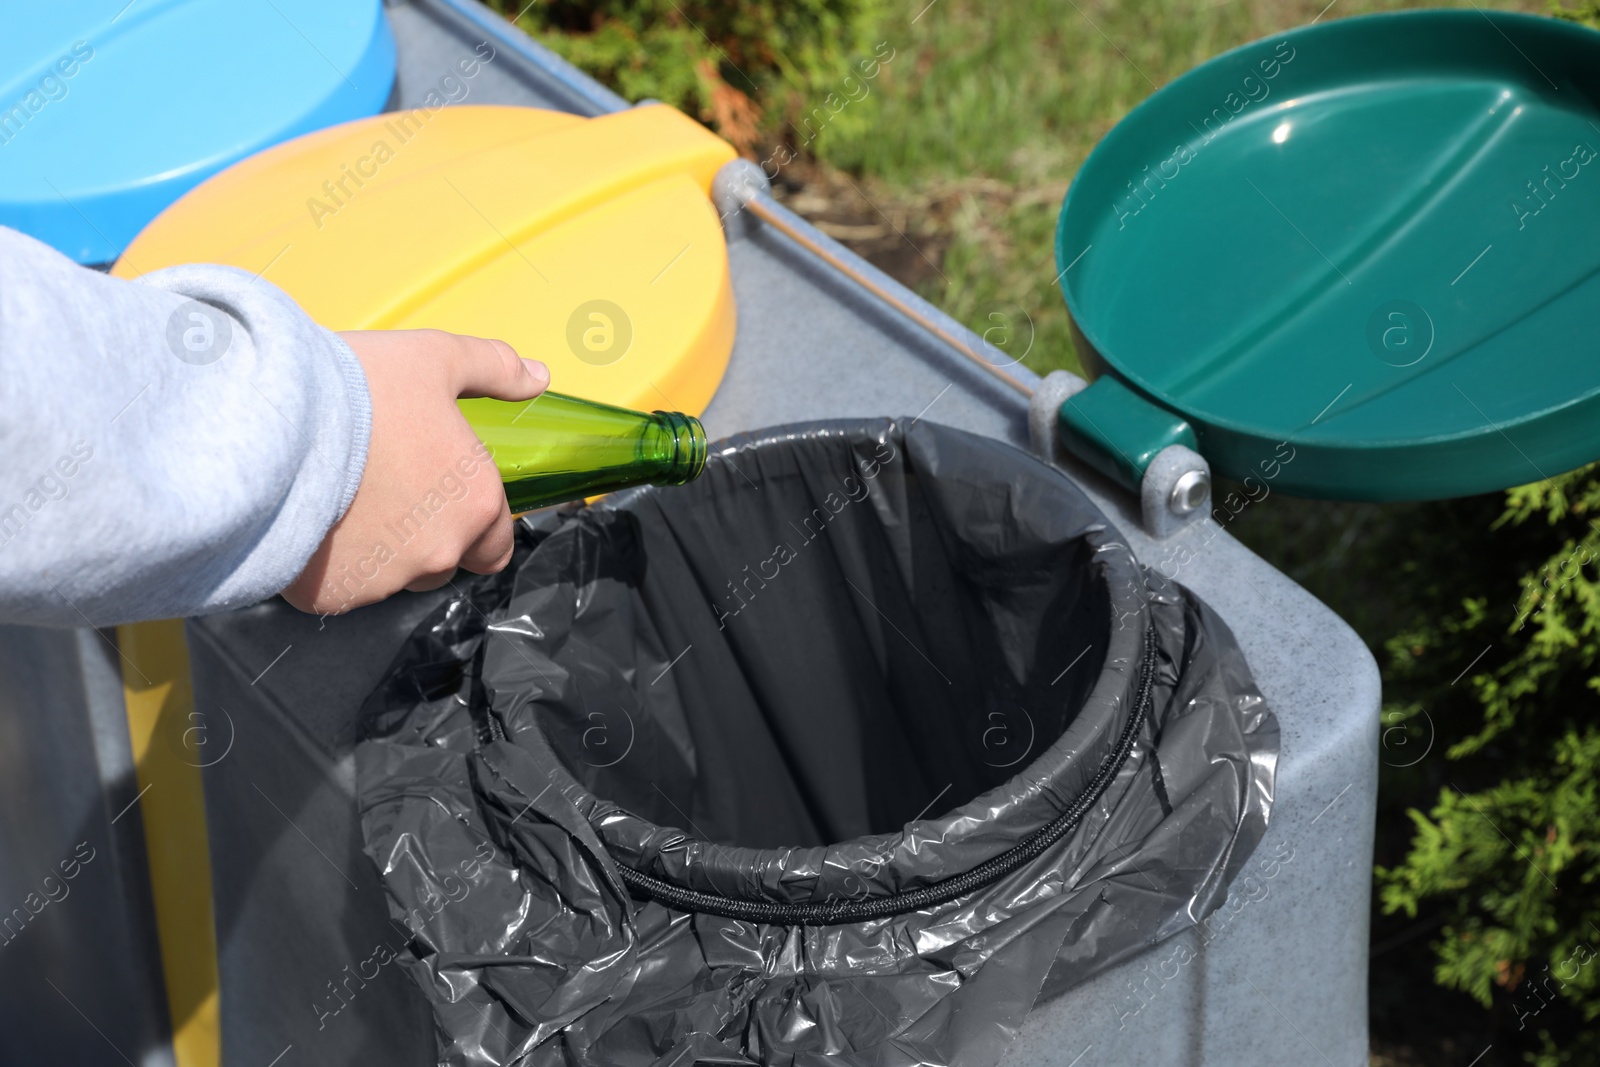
{"type": "Point", "coordinates": [853, 663]}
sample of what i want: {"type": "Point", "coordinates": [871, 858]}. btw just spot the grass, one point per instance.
{"type": "Point", "coordinates": [976, 126]}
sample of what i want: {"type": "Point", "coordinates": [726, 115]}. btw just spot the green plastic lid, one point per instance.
{"type": "Point", "coordinates": [1371, 245]}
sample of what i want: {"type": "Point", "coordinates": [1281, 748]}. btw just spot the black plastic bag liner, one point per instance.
{"type": "Point", "coordinates": [847, 753]}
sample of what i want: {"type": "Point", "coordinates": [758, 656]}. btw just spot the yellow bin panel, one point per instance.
{"type": "Point", "coordinates": [504, 222]}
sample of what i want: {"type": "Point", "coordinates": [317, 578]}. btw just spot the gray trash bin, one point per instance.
{"type": "Point", "coordinates": [849, 752]}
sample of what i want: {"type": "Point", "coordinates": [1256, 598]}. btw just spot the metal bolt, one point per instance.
{"type": "Point", "coordinates": [1189, 491]}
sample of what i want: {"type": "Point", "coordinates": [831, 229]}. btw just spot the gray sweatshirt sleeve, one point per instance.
{"type": "Point", "coordinates": [169, 446]}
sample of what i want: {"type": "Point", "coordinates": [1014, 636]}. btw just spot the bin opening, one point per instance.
{"type": "Point", "coordinates": [803, 664]}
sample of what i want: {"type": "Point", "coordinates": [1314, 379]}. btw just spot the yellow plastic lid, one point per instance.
{"type": "Point", "coordinates": [590, 244]}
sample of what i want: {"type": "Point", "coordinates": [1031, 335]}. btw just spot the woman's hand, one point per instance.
{"type": "Point", "coordinates": [430, 499]}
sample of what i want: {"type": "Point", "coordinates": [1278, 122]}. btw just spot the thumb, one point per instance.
{"type": "Point", "coordinates": [493, 369]}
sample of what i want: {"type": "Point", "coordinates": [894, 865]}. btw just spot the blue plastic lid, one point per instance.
{"type": "Point", "coordinates": [111, 110]}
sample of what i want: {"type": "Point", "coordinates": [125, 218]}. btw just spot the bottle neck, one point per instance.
{"type": "Point", "coordinates": [686, 454]}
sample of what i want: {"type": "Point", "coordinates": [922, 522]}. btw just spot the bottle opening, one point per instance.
{"type": "Point", "coordinates": [689, 447]}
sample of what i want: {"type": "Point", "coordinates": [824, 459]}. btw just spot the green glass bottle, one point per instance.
{"type": "Point", "coordinates": [557, 448]}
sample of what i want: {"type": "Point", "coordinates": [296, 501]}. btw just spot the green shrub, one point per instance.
{"type": "Point", "coordinates": [749, 70]}
{"type": "Point", "coordinates": [1504, 661]}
